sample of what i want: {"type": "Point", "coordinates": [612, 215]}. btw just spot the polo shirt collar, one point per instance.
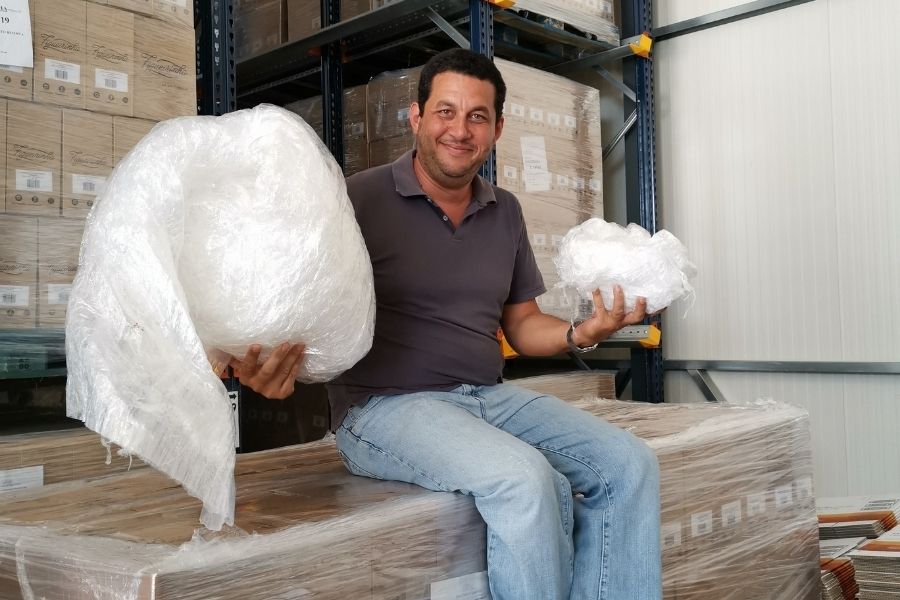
{"type": "Point", "coordinates": [407, 184]}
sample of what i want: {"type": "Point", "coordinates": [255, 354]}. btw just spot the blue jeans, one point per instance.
{"type": "Point", "coordinates": [571, 502]}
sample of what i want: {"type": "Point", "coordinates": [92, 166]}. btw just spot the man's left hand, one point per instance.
{"type": "Point", "coordinates": [603, 323]}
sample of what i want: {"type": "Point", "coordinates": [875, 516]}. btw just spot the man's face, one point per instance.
{"type": "Point", "coordinates": [456, 128]}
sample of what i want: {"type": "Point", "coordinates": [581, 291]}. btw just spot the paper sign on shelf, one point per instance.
{"type": "Point", "coordinates": [15, 34]}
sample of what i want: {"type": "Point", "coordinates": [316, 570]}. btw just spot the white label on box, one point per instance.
{"type": "Point", "coordinates": [607, 6]}
{"type": "Point", "coordinates": [756, 504]}
{"type": "Point", "coordinates": [510, 172]}
{"type": "Point", "coordinates": [540, 239]}
{"type": "Point", "coordinates": [731, 513]}
{"type": "Point", "coordinates": [536, 114]}
{"type": "Point", "coordinates": [403, 114]}
{"type": "Point", "coordinates": [15, 35]}
{"type": "Point", "coordinates": [317, 22]}
{"type": "Point", "coordinates": [534, 164]}
{"type": "Point", "coordinates": [468, 587]}
{"type": "Point", "coordinates": [553, 119]}
{"type": "Point", "coordinates": [562, 181]}
{"type": "Point", "coordinates": [357, 128]}
{"type": "Point", "coordinates": [13, 295]}
{"type": "Point", "coordinates": [12, 68]}
{"type": "Point", "coordinates": [34, 181]}
{"type": "Point", "coordinates": [671, 535]}
{"type": "Point", "coordinates": [596, 185]}
{"type": "Point", "coordinates": [557, 240]}
{"type": "Point", "coordinates": [88, 185]}
{"type": "Point", "coordinates": [516, 110]}
{"type": "Point", "coordinates": [784, 496]}
{"type": "Point", "coordinates": [22, 479]}
{"type": "Point", "coordinates": [62, 71]}
{"type": "Point", "coordinates": [803, 487]}
{"type": "Point", "coordinates": [234, 398]}
{"type": "Point", "coordinates": [58, 293]}
{"type": "Point", "coordinates": [578, 183]}
{"type": "Point", "coordinates": [701, 523]}
{"type": "Point", "coordinates": [570, 121]}
{"type": "Point", "coordinates": [181, 3]}
{"type": "Point", "coordinates": [111, 80]}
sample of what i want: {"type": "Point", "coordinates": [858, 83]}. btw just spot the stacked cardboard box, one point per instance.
{"type": "Point", "coordinates": [388, 99]}
{"type": "Point", "coordinates": [854, 516]}
{"type": "Point", "coordinates": [735, 487]}
{"type": "Point", "coordinates": [595, 17]}
{"type": "Point", "coordinates": [18, 272]}
{"type": "Point", "coordinates": [259, 26]}
{"type": "Point", "coordinates": [838, 573]}
{"type": "Point", "coordinates": [877, 564]}
{"type": "Point", "coordinates": [304, 17]}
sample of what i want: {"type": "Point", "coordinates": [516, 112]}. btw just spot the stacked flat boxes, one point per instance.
{"type": "Point", "coordinates": [730, 529]}
{"type": "Point", "coordinates": [104, 73]}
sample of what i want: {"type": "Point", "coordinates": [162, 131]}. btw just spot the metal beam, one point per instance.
{"type": "Point", "coordinates": [332, 85]}
{"type": "Point", "coordinates": [447, 28]}
{"type": "Point", "coordinates": [581, 64]}
{"type": "Point", "coordinates": [722, 17]}
{"type": "Point", "coordinates": [632, 119]}
{"type": "Point", "coordinates": [707, 386]}
{"type": "Point", "coordinates": [481, 36]}
{"type": "Point", "coordinates": [215, 57]}
{"type": "Point", "coordinates": [756, 366]}
{"type": "Point", "coordinates": [626, 91]}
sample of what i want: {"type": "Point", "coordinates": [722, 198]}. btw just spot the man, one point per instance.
{"type": "Point", "coordinates": [571, 503]}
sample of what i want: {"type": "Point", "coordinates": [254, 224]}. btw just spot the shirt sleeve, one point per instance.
{"type": "Point", "coordinates": [527, 282]}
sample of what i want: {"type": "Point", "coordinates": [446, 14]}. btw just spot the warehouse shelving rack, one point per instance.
{"type": "Point", "coordinates": [342, 51]}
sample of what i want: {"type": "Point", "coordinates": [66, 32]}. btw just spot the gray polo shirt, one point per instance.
{"type": "Point", "coordinates": [439, 290]}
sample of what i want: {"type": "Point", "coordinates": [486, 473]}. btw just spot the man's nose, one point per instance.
{"type": "Point", "coordinates": [459, 127]}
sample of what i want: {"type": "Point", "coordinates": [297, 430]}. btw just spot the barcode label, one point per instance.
{"type": "Point", "coordinates": [562, 181]}
{"type": "Point", "coordinates": [596, 185]}
{"type": "Point", "coordinates": [784, 496]}
{"type": "Point", "coordinates": [803, 488]}
{"type": "Point", "coordinates": [62, 71]}
{"type": "Point", "coordinates": [570, 121]}
{"type": "Point", "coordinates": [88, 185]}
{"type": "Point", "coordinates": [516, 110]}
{"type": "Point", "coordinates": [34, 181]}
{"type": "Point", "coordinates": [557, 240]}
{"type": "Point", "coordinates": [14, 296]}
{"type": "Point", "coordinates": [510, 172]}
{"type": "Point", "coordinates": [540, 239]}
{"type": "Point", "coordinates": [12, 68]}
{"type": "Point", "coordinates": [756, 504]}
{"type": "Point", "coordinates": [881, 504]}
{"type": "Point", "coordinates": [553, 119]}
{"type": "Point", "coordinates": [731, 513]}
{"type": "Point", "coordinates": [536, 114]}
{"type": "Point", "coordinates": [111, 80]}
{"type": "Point", "coordinates": [701, 523]}
{"type": "Point", "coordinates": [58, 293]}
{"type": "Point", "coordinates": [403, 114]}
{"type": "Point", "coordinates": [357, 128]}
{"type": "Point", "coordinates": [671, 535]}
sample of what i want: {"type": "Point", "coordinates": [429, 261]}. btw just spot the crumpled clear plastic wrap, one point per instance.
{"type": "Point", "coordinates": [213, 234]}
{"type": "Point", "coordinates": [599, 255]}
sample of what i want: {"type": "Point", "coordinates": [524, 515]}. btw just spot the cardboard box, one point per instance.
{"type": "Point", "coordinates": [310, 110]}
{"type": "Point", "coordinates": [3, 110]}
{"type": "Point", "coordinates": [356, 152]}
{"type": "Point", "coordinates": [259, 26]}
{"type": "Point", "coordinates": [304, 17]}
{"type": "Point", "coordinates": [109, 81]}
{"type": "Point", "coordinates": [15, 82]}
{"type": "Point", "coordinates": [164, 70]}
{"type": "Point", "coordinates": [127, 132]}
{"type": "Point", "coordinates": [354, 8]}
{"type": "Point", "coordinates": [59, 52]}
{"type": "Point", "coordinates": [59, 243]}
{"type": "Point", "coordinates": [87, 160]}
{"type": "Point", "coordinates": [33, 161]}
{"type": "Point", "coordinates": [175, 12]}
{"type": "Point", "coordinates": [18, 272]}
{"type": "Point", "coordinates": [141, 7]}
{"type": "Point", "coordinates": [388, 98]}
{"type": "Point", "coordinates": [384, 151]}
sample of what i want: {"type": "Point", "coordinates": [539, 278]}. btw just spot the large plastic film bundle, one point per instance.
{"type": "Point", "coordinates": [738, 520]}
{"type": "Point", "coordinates": [213, 234]}
{"type": "Point", "coordinates": [600, 255]}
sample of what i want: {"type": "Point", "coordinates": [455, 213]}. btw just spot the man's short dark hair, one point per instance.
{"type": "Point", "coordinates": [464, 62]}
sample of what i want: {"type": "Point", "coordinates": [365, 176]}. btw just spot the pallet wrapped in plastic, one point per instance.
{"type": "Point", "coordinates": [595, 17]}
{"type": "Point", "coordinates": [737, 513]}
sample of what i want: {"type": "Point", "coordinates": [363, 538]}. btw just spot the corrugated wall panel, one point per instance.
{"type": "Point", "coordinates": [778, 145]}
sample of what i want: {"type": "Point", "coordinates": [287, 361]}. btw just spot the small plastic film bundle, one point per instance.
{"type": "Point", "coordinates": [599, 255]}
{"type": "Point", "coordinates": [213, 234]}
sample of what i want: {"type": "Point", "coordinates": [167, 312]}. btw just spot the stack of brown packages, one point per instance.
{"type": "Point", "coordinates": [594, 17]}
{"type": "Point", "coordinates": [304, 17]}
{"type": "Point", "coordinates": [549, 155]}
{"type": "Point", "coordinates": [855, 516]}
{"type": "Point", "coordinates": [838, 573]}
{"type": "Point", "coordinates": [738, 522]}
{"type": "Point", "coordinates": [104, 73]}
{"type": "Point", "coordinates": [877, 564]}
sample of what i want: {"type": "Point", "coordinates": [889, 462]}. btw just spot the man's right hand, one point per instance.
{"type": "Point", "coordinates": [273, 378]}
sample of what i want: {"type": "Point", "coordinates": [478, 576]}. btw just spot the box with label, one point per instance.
{"type": "Point", "coordinates": [59, 244]}
{"type": "Point", "coordinates": [15, 82]}
{"type": "Point", "coordinates": [333, 535]}
{"type": "Point", "coordinates": [18, 272]}
{"type": "Point", "coordinates": [164, 70]}
{"type": "Point", "coordinates": [388, 98]}
{"type": "Point", "coordinates": [175, 12]}
{"type": "Point", "coordinates": [33, 159]}
{"type": "Point", "coordinates": [259, 26]}
{"type": "Point", "coordinates": [59, 52]}
{"type": "Point", "coordinates": [384, 151]}
{"type": "Point", "coordinates": [356, 153]}
{"type": "Point", "coordinates": [304, 17]}
{"type": "Point", "coordinates": [87, 160]}
{"type": "Point", "coordinates": [595, 17]}
{"type": "Point", "coordinates": [127, 133]}
{"type": "Point", "coordinates": [109, 81]}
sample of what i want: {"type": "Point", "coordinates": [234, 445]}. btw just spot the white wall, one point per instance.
{"type": "Point", "coordinates": [778, 147]}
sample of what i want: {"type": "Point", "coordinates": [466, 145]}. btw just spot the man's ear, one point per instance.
{"type": "Point", "coordinates": [498, 128]}
{"type": "Point", "coordinates": [414, 116]}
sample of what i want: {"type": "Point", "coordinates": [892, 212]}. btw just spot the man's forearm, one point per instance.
{"type": "Point", "coordinates": [540, 334]}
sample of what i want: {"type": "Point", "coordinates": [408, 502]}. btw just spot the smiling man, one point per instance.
{"type": "Point", "coordinates": [571, 503]}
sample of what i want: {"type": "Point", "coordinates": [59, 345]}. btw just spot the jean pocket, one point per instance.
{"type": "Point", "coordinates": [354, 420]}
{"type": "Point", "coordinates": [355, 468]}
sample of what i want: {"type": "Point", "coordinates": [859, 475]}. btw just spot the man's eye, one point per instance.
{"type": "Point", "coordinates": [478, 117]}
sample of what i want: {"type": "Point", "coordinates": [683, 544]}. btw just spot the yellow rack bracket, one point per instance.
{"type": "Point", "coordinates": [502, 3]}
{"type": "Point", "coordinates": [654, 335]}
{"type": "Point", "coordinates": [505, 348]}
{"type": "Point", "coordinates": [643, 46]}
